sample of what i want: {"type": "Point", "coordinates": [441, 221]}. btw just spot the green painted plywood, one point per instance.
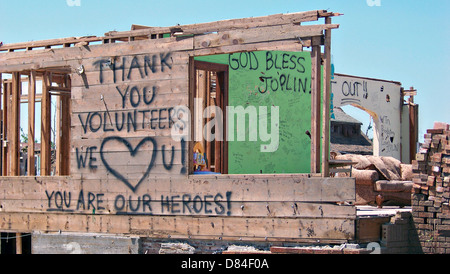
{"type": "Point", "coordinates": [270, 79]}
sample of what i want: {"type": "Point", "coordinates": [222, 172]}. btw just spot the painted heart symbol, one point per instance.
{"type": "Point", "coordinates": [133, 152]}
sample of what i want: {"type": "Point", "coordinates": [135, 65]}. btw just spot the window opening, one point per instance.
{"type": "Point", "coordinates": [35, 123]}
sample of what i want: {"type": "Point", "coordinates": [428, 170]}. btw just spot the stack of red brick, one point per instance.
{"type": "Point", "coordinates": [431, 191]}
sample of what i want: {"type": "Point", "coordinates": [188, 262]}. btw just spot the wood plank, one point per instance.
{"type": "Point", "coordinates": [155, 206]}
{"type": "Point", "coordinates": [19, 243]}
{"type": "Point", "coordinates": [46, 126]}
{"type": "Point", "coordinates": [413, 129]}
{"type": "Point", "coordinates": [2, 159]}
{"type": "Point", "coordinates": [150, 60]}
{"type": "Point", "coordinates": [5, 128]}
{"type": "Point", "coordinates": [254, 22]}
{"type": "Point", "coordinates": [250, 188]}
{"type": "Point", "coordinates": [231, 24]}
{"type": "Point", "coordinates": [219, 228]}
{"type": "Point", "coordinates": [66, 105]}
{"type": "Point", "coordinates": [93, 79]}
{"type": "Point", "coordinates": [57, 129]}
{"type": "Point", "coordinates": [48, 43]}
{"type": "Point", "coordinates": [9, 132]}
{"type": "Point", "coordinates": [69, 57]}
{"type": "Point", "coordinates": [316, 58]}
{"type": "Point", "coordinates": [255, 213]}
{"type": "Point", "coordinates": [191, 92]}
{"type": "Point", "coordinates": [15, 125]}
{"type": "Point", "coordinates": [249, 36]}
{"type": "Point", "coordinates": [283, 45]}
{"type": "Point", "coordinates": [326, 102]}
{"type": "Point", "coordinates": [141, 96]}
{"type": "Point", "coordinates": [31, 123]}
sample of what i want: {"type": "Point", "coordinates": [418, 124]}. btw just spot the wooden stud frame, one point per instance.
{"type": "Point", "coordinates": [31, 123]}
{"type": "Point", "coordinates": [326, 102]}
{"type": "Point", "coordinates": [46, 126]}
{"type": "Point", "coordinates": [15, 125]}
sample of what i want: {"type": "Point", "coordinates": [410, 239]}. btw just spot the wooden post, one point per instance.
{"type": "Point", "coordinates": [58, 138]}
{"type": "Point", "coordinates": [18, 243]}
{"type": "Point", "coordinates": [192, 86]}
{"type": "Point", "coordinates": [45, 126]}
{"type": "Point", "coordinates": [413, 126]}
{"type": "Point", "coordinates": [218, 149]}
{"type": "Point", "coordinates": [315, 104]}
{"type": "Point", "coordinates": [31, 122]}
{"type": "Point", "coordinates": [1, 119]}
{"type": "Point", "coordinates": [326, 102]}
{"type": "Point", "coordinates": [5, 163]}
{"type": "Point", "coordinates": [15, 125]}
{"type": "Point", "coordinates": [59, 131]}
{"type": "Point", "coordinates": [206, 103]}
{"type": "Point", "coordinates": [65, 130]}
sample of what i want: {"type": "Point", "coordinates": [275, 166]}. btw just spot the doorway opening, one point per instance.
{"type": "Point", "coordinates": [210, 102]}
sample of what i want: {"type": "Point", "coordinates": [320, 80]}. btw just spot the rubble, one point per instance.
{"type": "Point", "coordinates": [431, 197]}
{"type": "Point", "coordinates": [380, 180]}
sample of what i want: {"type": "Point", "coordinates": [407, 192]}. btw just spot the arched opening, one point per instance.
{"type": "Point", "coordinates": [352, 130]}
{"type": "Point", "coordinates": [363, 116]}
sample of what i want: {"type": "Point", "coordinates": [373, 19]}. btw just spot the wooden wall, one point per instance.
{"type": "Point", "coordinates": [122, 118]}
{"type": "Point", "coordinates": [279, 207]}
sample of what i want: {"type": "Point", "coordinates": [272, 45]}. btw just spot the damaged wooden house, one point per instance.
{"type": "Point", "coordinates": [204, 133]}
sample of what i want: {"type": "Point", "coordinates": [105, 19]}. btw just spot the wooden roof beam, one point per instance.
{"type": "Point", "coordinates": [64, 42]}
{"type": "Point", "coordinates": [231, 24]}
{"type": "Point", "coordinates": [142, 32]}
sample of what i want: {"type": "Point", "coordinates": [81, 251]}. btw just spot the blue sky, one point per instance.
{"type": "Point", "coordinates": [400, 40]}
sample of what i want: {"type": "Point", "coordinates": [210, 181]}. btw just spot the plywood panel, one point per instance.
{"type": "Point", "coordinates": [280, 83]}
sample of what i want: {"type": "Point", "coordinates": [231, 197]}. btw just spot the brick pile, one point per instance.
{"type": "Point", "coordinates": [431, 191]}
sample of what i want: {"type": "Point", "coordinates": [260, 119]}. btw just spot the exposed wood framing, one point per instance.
{"type": "Point", "coordinates": [326, 102]}
{"type": "Point", "coordinates": [31, 122]}
{"type": "Point", "coordinates": [46, 126]}
{"type": "Point", "coordinates": [18, 243]}
{"type": "Point", "coordinates": [65, 129]}
{"type": "Point", "coordinates": [316, 78]}
{"type": "Point", "coordinates": [58, 137]}
{"type": "Point", "coordinates": [191, 91]}
{"type": "Point", "coordinates": [5, 116]}
{"type": "Point", "coordinates": [144, 33]}
{"type": "Point", "coordinates": [15, 125]}
{"type": "Point", "coordinates": [254, 22]}
{"type": "Point", "coordinates": [413, 110]}
{"type": "Point", "coordinates": [1, 125]}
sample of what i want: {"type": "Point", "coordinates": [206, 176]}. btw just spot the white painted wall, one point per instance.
{"type": "Point", "coordinates": [382, 100]}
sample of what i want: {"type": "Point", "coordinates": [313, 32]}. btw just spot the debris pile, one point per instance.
{"type": "Point", "coordinates": [380, 180]}
{"type": "Point", "coordinates": [430, 200]}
